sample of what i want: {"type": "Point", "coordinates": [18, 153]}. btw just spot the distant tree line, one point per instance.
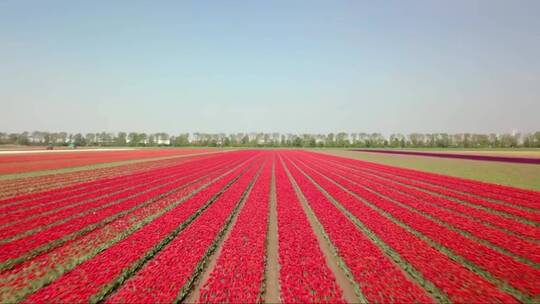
{"type": "Point", "coordinates": [253, 139]}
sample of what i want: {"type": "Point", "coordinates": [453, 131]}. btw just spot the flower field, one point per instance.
{"type": "Point", "coordinates": [38, 161]}
{"type": "Point", "coordinates": [508, 159]}
{"type": "Point", "coordinates": [198, 228]}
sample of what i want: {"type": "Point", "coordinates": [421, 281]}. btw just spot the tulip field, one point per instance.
{"type": "Point", "coordinates": [470, 156]}
{"type": "Point", "coordinates": [247, 226]}
{"type": "Point", "coordinates": [26, 162]}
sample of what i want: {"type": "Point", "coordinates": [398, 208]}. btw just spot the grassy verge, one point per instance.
{"type": "Point", "coordinates": [516, 175]}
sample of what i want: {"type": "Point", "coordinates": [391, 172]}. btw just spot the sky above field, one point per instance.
{"type": "Point", "coordinates": [285, 66]}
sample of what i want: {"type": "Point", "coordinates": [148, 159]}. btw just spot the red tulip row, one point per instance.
{"type": "Point", "coordinates": [503, 220]}
{"type": "Point", "coordinates": [508, 209]}
{"type": "Point", "coordinates": [519, 197]}
{"type": "Point", "coordinates": [36, 199]}
{"type": "Point", "coordinates": [402, 238]}
{"type": "Point", "coordinates": [451, 278]}
{"type": "Point", "coordinates": [35, 273]}
{"type": "Point", "coordinates": [239, 272]}
{"type": "Point", "coordinates": [518, 246]}
{"type": "Point", "coordinates": [25, 188]}
{"type": "Point", "coordinates": [73, 206]}
{"type": "Point", "coordinates": [503, 267]}
{"type": "Point", "coordinates": [304, 274]}
{"type": "Point", "coordinates": [18, 163]}
{"type": "Point", "coordinates": [74, 227]}
{"type": "Point", "coordinates": [168, 275]}
{"type": "Point", "coordinates": [508, 223]}
{"type": "Point", "coordinates": [522, 231]}
{"type": "Point", "coordinates": [525, 249]}
{"type": "Point", "coordinates": [379, 279]}
{"type": "Point", "coordinates": [509, 195]}
{"type": "Point", "coordinates": [97, 276]}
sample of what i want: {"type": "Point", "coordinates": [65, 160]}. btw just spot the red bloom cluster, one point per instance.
{"type": "Point", "coordinates": [380, 280]}
{"type": "Point", "coordinates": [113, 205]}
{"type": "Point", "coordinates": [52, 199]}
{"type": "Point", "coordinates": [33, 187]}
{"type": "Point", "coordinates": [146, 233]}
{"type": "Point", "coordinates": [519, 275]}
{"type": "Point", "coordinates": [52, 264]}
{"type": "Point", "coordinates": [92, 276]}
{"type": "Point", "coordinates": [304, 275]}
{"type": "Point", "coordinates": [504, 194]}
{"type": "Point", "coordinates": [162, 279]}
{"type": "Point", "coordinates": [78, 206]}
{"type": "Point", "coordinates": [470, 287]}
{"type": "Point", "coordinates": [18, 163]}
{"type": "Point", "coordinates": [239, 273]}
{"type": "Point", "coordinates": [418, 180]}
{"type": "Point", "coordinates": [423, 202]}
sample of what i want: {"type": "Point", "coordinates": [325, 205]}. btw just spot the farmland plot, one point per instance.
{"type": "Point", "coordinates": [242, 226]}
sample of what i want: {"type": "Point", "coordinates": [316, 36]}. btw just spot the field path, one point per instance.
{"type": "Point", "coordinates": [272, 251]}
{"type": "Point", "coordinates": [506, 159]}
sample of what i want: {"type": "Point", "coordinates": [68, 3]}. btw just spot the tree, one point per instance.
{"type": "Point", "coordinates": [329, 140]}
{"type": "Point", "coordinates": [79, 140]}
{"type": "Point", "coordinates": [308, 140]}
{"type": "Point", "coordinates": [363, 139]}
{"type": "Point", "coordinates": [91, 139]}
{"type": "Point", "coordinates": [106, 138]}
{"type": "Point", "coordinates": [121, 139]}
{"type": "Point", "coordinates": [509, 140]}
{"type": "Point", "coordinates": [376, 140]}
{"type": "Point", "coordinates": [443, 140]}
{"type": "Point", "coordinates": [354, 137]}
{"type": "Point", "coordinates": [22, 139]}
{"type": "Point", "coordinates": [297, 141]}
{"type": "Point", "coordinates": [417, 139]}
{"type": "Point", "coordinates": [46, 138]}
{"type": "Point", "coordinates": [133, 138]}
{"type": "Point", "coordinates": [536, 140]}
{"type": "Point", "coordinates": [342, 139]}
{"type": "Point", "coordinates": [63, 136]}
{"type": "Point", "coordinates": [395, 140]}
{"type": "Point", "coordinates": [528, 140]}
{"type": "Point", "coordinates": [493, 140]}
{"type": "Point", "coordinates": [182, 140]}
{"type": "Point", "coordinates": [275, 139]}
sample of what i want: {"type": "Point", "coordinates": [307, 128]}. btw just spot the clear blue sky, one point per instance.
{"type": "Point", "coordinates": [286, 66]}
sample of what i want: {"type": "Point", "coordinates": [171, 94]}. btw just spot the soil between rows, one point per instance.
{"type": "Point", "coordinates": [272, 261]}
{"type": "Point", "coordinates": [341, 278]}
